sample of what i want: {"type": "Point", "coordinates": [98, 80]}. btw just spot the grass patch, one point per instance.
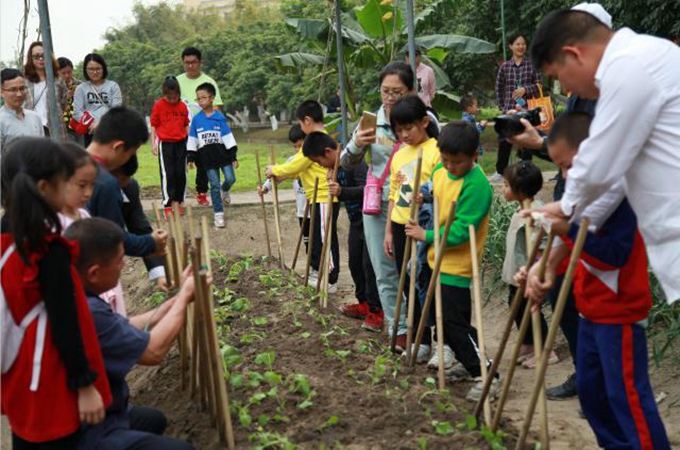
{"type": "Point", "coordinates": [246, 174]}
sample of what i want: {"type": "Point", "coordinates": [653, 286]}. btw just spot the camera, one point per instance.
{"type": "Point", "coordinates": [509, 125]}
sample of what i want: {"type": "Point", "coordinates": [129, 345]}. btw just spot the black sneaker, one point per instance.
{"type": "Point", "coordinates": [564, 391]}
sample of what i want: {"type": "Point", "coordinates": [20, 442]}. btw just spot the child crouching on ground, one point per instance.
{"type": "Point", "coordinates": [459, 179]}
{"type": "Point", "coordinates": [211, 141]}
{"type": "Point", "coordinates": [611, 288]}
{"type": "Point", "coordinates": [522, 181]}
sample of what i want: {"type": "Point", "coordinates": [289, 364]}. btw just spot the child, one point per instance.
{"type": "Point", "coordinates": [296, 137]}
{"type": "Point", "coordinates": [522, 182]}
{"type": "Point", "coordinates": [611, 287]}
{"type": "Point", "coordinates": [469, 105]}
{"type": "Point", "coordinates": [39, 280]}
{"type": "Point", "coordinates": [409, 122]}
{"type": "Point", "coordinates": [310, 118]}
{"type": "Point", "coordinates": [80, 186]}
{"type": "Point", "coordinates": [169, 130]}
{"type": "Point", "coordinates": [459, 179]}
{"type": "Point", "coordinates": [211, 141]}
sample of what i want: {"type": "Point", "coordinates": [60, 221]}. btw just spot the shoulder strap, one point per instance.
{"type": "Point", "coordinates": [98, 95]}
{"type": "Point", "coordinates": [383, 177]}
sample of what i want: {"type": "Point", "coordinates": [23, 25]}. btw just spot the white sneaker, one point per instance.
{"type": "Point", "coordinates": [475, 392]}
{"type": "Point", "coordinates": [423, 353]}
{"type": "Point", "coordinates": [496, 178]}
{"type": "Point", "coordinates": [226, 198]}
{"type": "Point", "coordinates": [332, 288]}
{"type": "Point", "coordinates": [313, 277]}
{"type": "Point", "coordinates": [449, 358]}
{"type": "Point", "coordinates": [219, 220]}
{"type": "Point", "coordinates": [458, 373]}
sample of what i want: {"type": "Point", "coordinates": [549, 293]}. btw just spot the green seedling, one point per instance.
{"type": "Point", "coordinates": [495, 440]}
{"type": "Point", "coordinates": [237, 380]}
{"type": "Point", "coordinates": [266, 359]}
{"type": "Point", "coordinates": [230, 357]}
{"type": "Point", "coordinates": [342, 354]}
{"type": "Point", "coordinates": [250, 337]}
{"type": "Point", "coordinates": [240, 305]}
{"type": "Point", "coordinates": [305, 335]}
{"type": "Point", "coordinates": [220, 260]}
{"type": "Point", "coordinates": [260, 321]}
{"type": "Point", "coordinates": [273, 378]}
{"type": "Point", "coordinates": [263, 420]}
{"type": "Point", "coordinates": [422, 443]}
{"type": "Point", "coordinates": [431, 385]}
{"type": "Point", "coordinates": [241, 410]}
{"type": "Point", "coordinates": [257, 398]}
{"type": "Point", "coordinates": [255, 379]}
{"type": "Point", "coordinates": [470, 423]}
{"type": "Point", "coordinates": [443, 428]}
{"type": "Point", "coordinates": [267, 440]}
{"type": "Point", "coordinates": [333, 420]}
{"type": "Point", "coordinates": [379, 369]}
{"type": "Point", "coordinates": [155, 299]}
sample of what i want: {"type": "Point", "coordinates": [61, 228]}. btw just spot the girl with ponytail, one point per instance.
{"type": "Point", "coordinates": [55, 359]}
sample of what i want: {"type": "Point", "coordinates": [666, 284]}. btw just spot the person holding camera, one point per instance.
{"type": "Point", "coordinates": [517, 81]}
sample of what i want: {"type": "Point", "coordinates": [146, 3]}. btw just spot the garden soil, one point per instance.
{"type": "Point", "coordinates": [352, 408]}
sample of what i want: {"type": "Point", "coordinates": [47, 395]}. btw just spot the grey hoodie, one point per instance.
{"type": "Point", "coordinates": [89, 97]}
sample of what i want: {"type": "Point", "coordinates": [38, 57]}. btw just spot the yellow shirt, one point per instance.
{"type": "Point", "coordinates": [307, 170]}
{"type": "Point", "coordinates": [403, 173]}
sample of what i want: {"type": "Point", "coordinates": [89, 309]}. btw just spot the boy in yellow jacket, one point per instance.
{"type": "Point", "coordinates": [459, 179]}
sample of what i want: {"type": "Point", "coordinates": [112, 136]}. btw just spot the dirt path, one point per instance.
{"type": "Point", "coordinates": [244, 235]}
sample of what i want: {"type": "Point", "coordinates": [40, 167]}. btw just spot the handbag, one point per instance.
{"type": "Point", "coordinates": [545, 104]}
{"type": "Point", "coordinates": [83, 125]}
{"type": "Point", "coordinates": [374, 187]}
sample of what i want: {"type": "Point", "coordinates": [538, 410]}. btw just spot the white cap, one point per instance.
{"type": "Point", "coordinates": [596, 10]}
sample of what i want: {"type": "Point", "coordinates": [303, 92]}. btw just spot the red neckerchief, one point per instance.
{"type": "Point", "coordinates": [99, 159]}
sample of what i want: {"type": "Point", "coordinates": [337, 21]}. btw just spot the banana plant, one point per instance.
{"type": "Point", "coordinates": [372, 36]}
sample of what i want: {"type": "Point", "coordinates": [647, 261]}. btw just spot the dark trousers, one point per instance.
{"type": "Point", "coordinates": [365, 288]}
{"type": "Point", "coordinates": [201, 177]}
{"type": "Point", "coordinates": [304, 224]}
{"type": "Point", "coordinates": [570, 318]}
{"type": "Point", "coordinates": [399, 245]}
{"type": "Point", "coordinates": [87, 140]}
{"type": "Point", "coordinates": [529, 336]}
{"type": "Point", "coordinates": [172, 162]}
{"type": "Point", "coordinates": [319, 229]}
{"type": "Point", "coordinates": [613, 387]}
{"type": "Point", "coordinates": [66, 443]}
{"type": "Point", "coordinates": [153, 422]}
{"type": "Point", "coordinates": [503, 157]}
{"type": "Point", "coordinates": [459, 334]}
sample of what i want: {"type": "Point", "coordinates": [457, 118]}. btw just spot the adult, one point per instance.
{"type": "Point", "coordinates": [334, 105]}
{"type": "Point", "coordinates": [427, 84]}
{"type": "Point", "coordinates": [517, 81]}
{"type": "Point", "coordinates": [15, 121]}
{"type": "Point", "coordinates": [36, 80]}
{"type": "Point", "coordinates": [144, 339]}
{"type": "Point", "coordinates": [193, 77]}
{"type": "Point", "coordinates": [66, 74]}
{"type": "Point", "coordinates": [97, 95]}
{"type": "Point", "coordinates": [636, 128]}
{"type": "Point", "coordinates": [396, 81]}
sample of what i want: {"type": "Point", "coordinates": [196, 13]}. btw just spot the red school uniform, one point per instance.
{"type": "Point", "coordinates": [51, 411]}
{"type": "Point", "coordinates": [170, 120]}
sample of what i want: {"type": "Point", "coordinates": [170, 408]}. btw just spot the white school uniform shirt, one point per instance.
{"type": "Point", "coordinates": [635, 137]}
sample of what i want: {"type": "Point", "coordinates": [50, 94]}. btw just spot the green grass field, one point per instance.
{"type": "Point", "coordinates": [263, 140]}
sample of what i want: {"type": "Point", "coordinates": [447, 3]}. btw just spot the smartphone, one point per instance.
{"type": "Point", "coordinates": [369, 121]}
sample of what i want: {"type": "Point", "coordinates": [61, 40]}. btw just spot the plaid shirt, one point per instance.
{"type": "Point", "coordinates": [512, 76]}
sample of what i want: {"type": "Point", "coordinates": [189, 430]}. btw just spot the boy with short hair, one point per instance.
{"type": "Point", "coordinates": [310, 118]}
{"type": "Point", "coordinates": [469, 104]}
{"type": "Point", "coordinates": [212, 143]}
{"type": "Point", "coordinates": [125, 343]}
{"type": "Point", "coordinates": [611, 288]}
{"type": "Point", "coordinates": [459, 179]}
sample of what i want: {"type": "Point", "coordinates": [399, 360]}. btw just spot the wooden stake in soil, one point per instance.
{"type": "Point", "coordinates": [435, 276]}
{"type": "Point", "coordinates": [300, 236]}
{"type": "Point", "coordinates": [552, 330]}
{"type": "Point", "coordinates": [277, 219]}
{"type": "Point", "coordinates": [264, 208]}
{"type": "Point", "coordinates": [477, 294]}
{"type": "Point", "coordinates": [312, 226]}
{"type": "Point", "coordinates": [439, 321]}
{"type": "Point", "coordinates": [414, 261]}
{"type": "Point", "coordinates": [324, 265]}
{"type": "Point", "coordinates": [514, 308]}
{"type": "Point", "coordinates": [166, 258]}
{"type": "Point", "coordinates": [538, 344]}
{"type": "Point", "coordinates": [400, 295]}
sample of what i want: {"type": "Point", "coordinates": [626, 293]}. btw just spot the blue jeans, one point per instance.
{"type": "Point", "coordinates": [216, 187]}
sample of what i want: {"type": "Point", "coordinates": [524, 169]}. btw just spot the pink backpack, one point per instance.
{"type": "Point", "coordinates": [374, 187]}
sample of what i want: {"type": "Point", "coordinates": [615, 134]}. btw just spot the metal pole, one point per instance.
{"type": "Point", "coordinates": [341, 72]}
{"type": "Point", "coordinates": [46, 30]}
{"type": "Point", "coordinates": [411, 42]}
{"type": "Point", "coordinates": [504, 38]}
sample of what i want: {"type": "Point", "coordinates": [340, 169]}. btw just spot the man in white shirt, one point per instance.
{"type": "Point", "coordinates": [15, 121]}
{"type": "Point", "coordinates": [635, 135]}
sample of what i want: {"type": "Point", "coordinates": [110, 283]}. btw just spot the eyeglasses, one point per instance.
{"type": "Point", "coordinates": [38, 56]}
{"type": "Point", "coordinates": [393, 94]}
{"type": "Point", "coordinates": [16, 90]}
{"type": "Point", "coordinates": [95, 70]}
{"type": "Point", "coordinates": [191, 63]}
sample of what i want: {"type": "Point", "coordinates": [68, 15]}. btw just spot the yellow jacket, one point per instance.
{"type": "Point", "coordinates": [307, 170]}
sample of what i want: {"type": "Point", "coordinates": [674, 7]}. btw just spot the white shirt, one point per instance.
{"type": "Point", "coordinates": [635, 137]}
{"type": "Point", "coordinates": [40, 99]}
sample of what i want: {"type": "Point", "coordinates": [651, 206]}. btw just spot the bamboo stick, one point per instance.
{"type": "Point", "coordinates": [400, 295]}
{"type": "Point", "coordinates": [312, 226]}
{"type": "Point", "coordinates": [300, 236]}
{"type": "Point", "coordinates": [439, 321]}
{"type": "Point", "coordinates": [277, 218]}
{"type": "Point", "coordinates": [166, 258]}
{"type": "Point", "coordinates": [327, 274]}
{"type": "Point", "coordinates": [264, 208]}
